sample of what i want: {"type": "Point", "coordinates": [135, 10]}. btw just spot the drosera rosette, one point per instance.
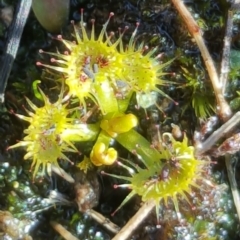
{"type": "Point", "coordinates": [89, 64]}
{"type": "Point", "coordinates": [105, 71]}
{"type": "Point", "coordinates": [170, 173]}
{"type": "Point", "coordinates": [142, 68]}
{"type": "Point", "coordinates": [51, 133]}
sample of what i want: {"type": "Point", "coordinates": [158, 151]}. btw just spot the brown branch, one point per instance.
{"type": "Point", "coordinates": [233, 184]}
{"type": "Point", "coordinates": [135, 221]}
{"type": "Point", "coordinates": [225, 129]}
{"type": "Point", "coordinates": [62, 231]}
{"type": "Point", "coordinates": [103, 221]}
{"type": "Point", "coordinates": [226, 52]}
{"type": "Point", "coordinates": [12, 43]}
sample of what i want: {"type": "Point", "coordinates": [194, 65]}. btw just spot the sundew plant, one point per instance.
{"type": "Point", "coordinates": [102, 76]}
{"type": "Point", "coordinates": [103, 71]}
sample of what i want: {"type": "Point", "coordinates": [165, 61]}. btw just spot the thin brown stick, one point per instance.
{"type": "Point", "coordinates": [14, 36]}
{"type": "Point", "coordinates": [135, 221]}
{"type": "Point", "coordinates": [225, 129]}
{"type": "Point", "coordinates": [226, 51]}
{"type": "Point", "coordinates": [103, 221]}
{"type": "Point", "coordinates": [223, 107]}
{"type": "Point", "coordinates": [62, 231]}
{"type": "Point", "coordinates": [233, 183]}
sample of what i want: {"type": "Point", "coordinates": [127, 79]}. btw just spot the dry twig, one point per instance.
{"type": "Point", "coordinates": [12, 43]}
{"type": "Point", "coordinates": [226, 51]}
{"type": "Point", "coordinates": [62, 231]}
{"type": "Point", "coordinates": [233, 183]}
{"type": "Point", "coordinates": [135, 221]}
{"type": "Point", "coordinates": [218, 134]}
{"type": "Point", "coordinates": [103, 221]}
